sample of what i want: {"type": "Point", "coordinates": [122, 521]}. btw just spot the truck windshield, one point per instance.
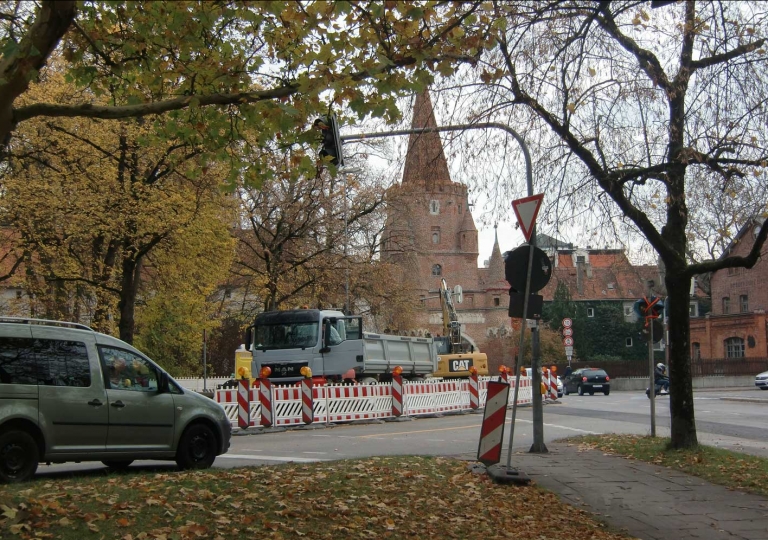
{"type": "Point", "coordinates": [286, 336]}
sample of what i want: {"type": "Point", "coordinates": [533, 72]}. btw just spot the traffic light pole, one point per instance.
{"type": "Point", "coordinates": [538, 410]}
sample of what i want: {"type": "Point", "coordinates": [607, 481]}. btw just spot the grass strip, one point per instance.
{"type": "Point", "coordinates": [397, 497]}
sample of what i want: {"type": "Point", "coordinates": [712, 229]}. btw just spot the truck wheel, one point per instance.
{"type": "Point", "coordinates": [18, 456]}
{"type": "Point", "coordinates": [197, 448]}
{"type": "Point", "coordinates": [368, 380]}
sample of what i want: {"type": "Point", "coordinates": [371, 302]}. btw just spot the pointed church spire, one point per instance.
{"type": "Point", "coordinates": [496, 264]}
{"type": "Point", "coordinates": [425, 161]}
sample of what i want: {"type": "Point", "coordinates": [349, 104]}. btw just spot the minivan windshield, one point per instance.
{"type": "Point", "coordinates": [298, 335]}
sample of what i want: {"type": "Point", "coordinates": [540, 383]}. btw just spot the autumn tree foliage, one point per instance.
{"type": "Point", "coordinates": [652, 121]}
{"type": "Point", "coordinates": [275, 64]}
{"type": "Point", "coordinates": [101, 206]}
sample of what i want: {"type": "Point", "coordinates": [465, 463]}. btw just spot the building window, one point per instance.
{"type": "Point", "coordinates": [435, 235]}
{"type": "Point", "coordinates": [696, 351]}
{"type": "Point", "coordinates": [437, 270]}
{"type": "Point", "coordinates": [581, 259]}
{"type": "Point", "coordinates": [628, 342]}
{"type": "Point", "coordinates": [744, 303]}
{"type": "Point", "coordinates": [726, 305]}
{"type": "Point", "coordinates": [590, 312]}
{"type": "Point", "coordinates": [19, 293]}
{"type": "Point", "coordinates": [434, 207]}
{"type": "Point", "coordinates": [734, 347]}
{"type": "Point", "coordinates": [496, 301]}
{"type": "Point", "coordinates": [693, 309]}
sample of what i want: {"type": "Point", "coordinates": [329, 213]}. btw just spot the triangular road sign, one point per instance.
{"type": "Point", "coordinates": [526, 211]}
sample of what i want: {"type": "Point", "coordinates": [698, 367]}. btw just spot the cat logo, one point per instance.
{"type": "Point", "coordinates": [460, 365]}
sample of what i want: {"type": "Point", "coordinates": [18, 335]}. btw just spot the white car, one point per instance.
{"type": "Point", "coordinates": [761, 380]}
{"type": "Point", "coordinates": [560, 387]}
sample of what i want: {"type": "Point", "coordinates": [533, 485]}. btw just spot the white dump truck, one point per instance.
{"type": "Point", "coordinates": [333, 346]}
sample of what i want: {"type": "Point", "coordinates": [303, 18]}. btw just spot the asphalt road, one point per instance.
{"type": "Point", "coordinates": [737, 425]}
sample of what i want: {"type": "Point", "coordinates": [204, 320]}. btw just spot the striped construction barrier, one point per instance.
{"type": "Point", "coordinates": [307, 409]}
{"type": "Point", "coordinates": [397, 395]}
{"type": "Point", "coordinates": [474, 392]}
{"type": "Point", "coordinates": [265, 400]}
{"type": "Point", "coordinates": [545, 383]}
{"type": "Point", "coordinates": [552, 384]}
{"type": "Point", "coordinates": [279, 405]}
{"type": "Point", "coordinates": [492, 430]}
{"type": "Point", "coordinates": [243, 403]}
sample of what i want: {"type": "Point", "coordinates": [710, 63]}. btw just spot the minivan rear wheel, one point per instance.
{"type": "Point", "coordinates": [18, 456]}
{"type": "Point", "coordinates": [197, 448]}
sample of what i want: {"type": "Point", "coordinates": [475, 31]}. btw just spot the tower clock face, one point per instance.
{"type": "Point", "coordinates": [434, 206]}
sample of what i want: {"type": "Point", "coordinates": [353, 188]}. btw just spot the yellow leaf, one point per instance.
{"type": "Point", "coordinates": [592, 72]}
{"type": "Point", "coordinates": [571, 107]}
{"type": "Point", "coordinates": [390, 524]}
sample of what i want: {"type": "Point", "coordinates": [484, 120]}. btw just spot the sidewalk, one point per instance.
{"type": "Point", "coordinates": [643, 500]}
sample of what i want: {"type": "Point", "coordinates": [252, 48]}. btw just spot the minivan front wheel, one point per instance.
{"type": "Point", "coordinates": [18, 456]}
{"type": "Point", "coordinates": [197, 448]}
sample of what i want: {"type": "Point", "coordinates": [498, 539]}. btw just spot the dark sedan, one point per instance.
{"type": "Point", "coordinates": [587, 381]}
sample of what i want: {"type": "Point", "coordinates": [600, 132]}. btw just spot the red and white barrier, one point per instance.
{"type": "Point", "coordinates": [244, 403]}
{"type": "Point", "coordinates": [552, 385]}
{"type": "Point", "coordinates": [277, 405]}
{"type": "Point", "coordinates": [307, 409]}
{"type": "Point", "coordinates": [265, 400]}
{"type": "Point", "coordinates": [474, 392]}
{"type": "Point", "coordinates": [492, 430]}
{"type": "Point", "coordinates": [397, 395]}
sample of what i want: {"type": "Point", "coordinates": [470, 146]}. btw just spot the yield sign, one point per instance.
{"type": "Point", "coordinates": [526, 211]}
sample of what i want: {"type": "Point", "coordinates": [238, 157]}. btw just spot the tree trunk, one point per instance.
{"type": "Point", "coordinates": [128, 293]}
{"type": "Point", "coordinates": [681, 387]}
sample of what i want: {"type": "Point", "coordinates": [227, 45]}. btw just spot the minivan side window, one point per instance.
{"type": "Point", "coordinates": [128, 371]}
{"type": "Point", "coordinates": [67, 362]}
{"type": "Point", "coordinates": [17, 361]}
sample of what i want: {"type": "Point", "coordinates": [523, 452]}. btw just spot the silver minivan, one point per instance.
{"type": "Point", "coordinates": [68, 393]}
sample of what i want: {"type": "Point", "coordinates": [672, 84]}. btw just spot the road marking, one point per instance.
{"type": "Point", "coordinates": [561, 427]}
{"type": "Point", "coordinates": [272, 458]}
{"type": "Point", "coordinates": [415, 431]}
{"type": "Point", "coordinates": [323, 453]}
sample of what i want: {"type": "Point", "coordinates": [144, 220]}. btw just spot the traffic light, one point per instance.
{"type": "Point", "coordinates": [331, 141]}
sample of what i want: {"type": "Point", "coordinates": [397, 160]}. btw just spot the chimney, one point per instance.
{"type": "Point", "coordinates": [580, 274]}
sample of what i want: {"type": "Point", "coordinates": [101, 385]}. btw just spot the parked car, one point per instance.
{"type": "Point", "coordinates": [761, 380]}
{"type": "Point", "coordinates": [68, 393]}
{"type": "Point", "coordinates": [559, 387]}
{"type": "Point", "coordinates": [587, 381]}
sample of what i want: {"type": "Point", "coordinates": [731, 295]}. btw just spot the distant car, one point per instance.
{"type": "Point", "coordinates": [559, 387]}
{"type": "Point", "coordinates": [761, 380]}
{"type": "Point", "coordinates": [587, 381]}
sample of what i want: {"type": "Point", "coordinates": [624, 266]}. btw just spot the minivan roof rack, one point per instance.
{"type": "Point", "coordinates": [44, 322]}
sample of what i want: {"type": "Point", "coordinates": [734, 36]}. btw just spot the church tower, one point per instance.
{"type": "Point", "coordinates": [431, 235]}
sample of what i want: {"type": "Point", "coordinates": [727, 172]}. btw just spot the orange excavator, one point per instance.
{"type": "Point", "coordinates": [455, 356]}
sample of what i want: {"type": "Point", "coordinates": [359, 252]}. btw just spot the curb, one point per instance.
{"type": "Point", "coordinates": [745, 400]}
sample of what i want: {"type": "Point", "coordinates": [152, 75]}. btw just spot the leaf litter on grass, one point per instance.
{"type": "Point", "coordinates": [393, 497]}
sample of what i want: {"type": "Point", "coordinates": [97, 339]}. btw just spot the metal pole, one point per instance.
{"type": "Point", "coordinates": [652, 386]}
{"type": "Point", "coordinates": [347, 309]}
{"type": "Point", "coordinates": [205, 363]}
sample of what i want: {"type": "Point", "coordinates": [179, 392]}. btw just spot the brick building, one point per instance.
{"type": "Point", "coordinates": [737, 325]}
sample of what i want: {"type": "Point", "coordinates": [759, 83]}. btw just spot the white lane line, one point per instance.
{"type": "Point", "coordinates": [272, 458]}
{"type": "Point", "coordinates": [323, 453]}
{"type": "Point", "coordinates": [560, 427]}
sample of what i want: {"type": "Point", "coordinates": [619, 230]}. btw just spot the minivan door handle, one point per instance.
{"type": "Point", "coordinates": [118, 404]}
{"type": "Point", "coordinates": [95, 403]}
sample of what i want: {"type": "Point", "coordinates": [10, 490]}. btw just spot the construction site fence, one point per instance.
{"type": "Point", "coordinates": [339, 403]}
